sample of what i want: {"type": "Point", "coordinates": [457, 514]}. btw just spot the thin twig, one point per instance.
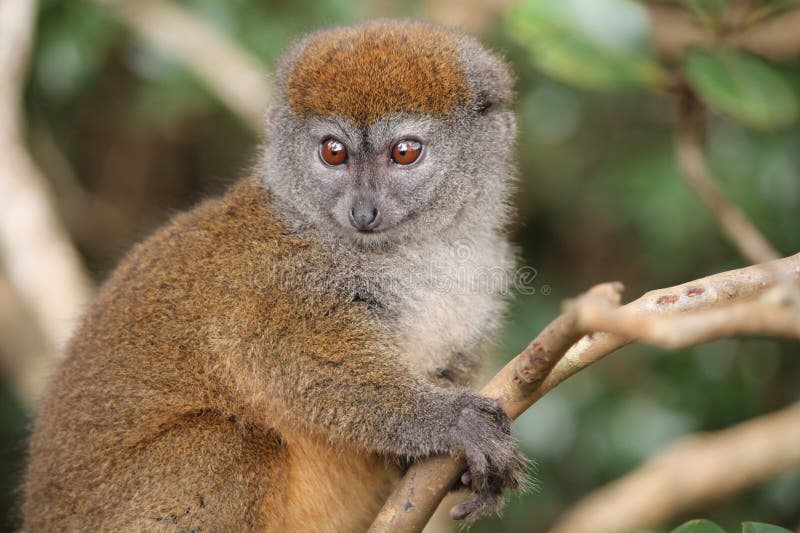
{"type": "Point", "coordinates": [694, 168]}
{"type": "Point", "coordinates": [742, 233]}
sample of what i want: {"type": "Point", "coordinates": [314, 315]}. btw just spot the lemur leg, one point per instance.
{"type": "Point", "coordinates": [205, 473]}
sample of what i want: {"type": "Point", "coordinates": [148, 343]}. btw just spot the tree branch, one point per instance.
{"type": "Point", "coordinates": [689, 474]}
{"type": "Point", "coordinates": [754, 318]}
{"type": "Point", "coordinates": [41, 263]}
{"type": "Point", "coordinates": [531, 374]}
{"type": "Point", "coordinates": [425, 484]}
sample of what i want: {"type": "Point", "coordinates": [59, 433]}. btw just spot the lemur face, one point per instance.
{"type": "Point", "coordinates": [367, 182]}
{"type": "Point", "coordinates": [371, 173]}
{"type": "Point", "coordinates": [384, 131]}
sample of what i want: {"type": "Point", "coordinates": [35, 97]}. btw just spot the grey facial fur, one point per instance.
{"type": "Point", "coordinates": [464, 175]}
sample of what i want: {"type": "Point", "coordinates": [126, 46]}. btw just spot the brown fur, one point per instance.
{"type": "Point", "coordinates": [373, 70]}
{"type": "Point", "coordinates": [167, 413]}
{"type": "Point", "coordinates": [247, 369]}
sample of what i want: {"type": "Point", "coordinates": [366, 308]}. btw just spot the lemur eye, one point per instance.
{"type": "Point", "coordinates": [406, 151]}
{"type": "Point", "coordinates": [333, 152]}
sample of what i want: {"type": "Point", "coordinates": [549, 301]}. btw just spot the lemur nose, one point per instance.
{"type": "Point", "coordinates": [364, 216]}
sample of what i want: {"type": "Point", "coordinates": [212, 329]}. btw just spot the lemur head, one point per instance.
{"type": "Point", "coordinates": [389, 130]}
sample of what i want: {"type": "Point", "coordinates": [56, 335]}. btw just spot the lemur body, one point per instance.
{"type": "Point", "coordinates": [256, 365]}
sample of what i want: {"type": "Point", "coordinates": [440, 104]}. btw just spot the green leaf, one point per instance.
{"type": "Point", "coordinates": [743, 86]}
{"type": "Point", "coordinates": [757, 527]}
{"type": "Point", "coordinates": [597, 44]}
{"type": "Point", "coordinates": [698, 526]}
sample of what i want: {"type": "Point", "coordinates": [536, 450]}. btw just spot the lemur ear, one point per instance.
{"type": "Point", "coordinates": [490, 77]}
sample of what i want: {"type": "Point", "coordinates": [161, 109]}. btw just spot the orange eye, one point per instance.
{"type": "Point", "coordinates": [333, 152]}
{"type": "Point", "coordinates": [406, 152]}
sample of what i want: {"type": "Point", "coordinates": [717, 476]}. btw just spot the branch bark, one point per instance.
{"type": "Point", "coordinates": [689, 474]}
{"type": "Point", "coordinates": [530, 375]}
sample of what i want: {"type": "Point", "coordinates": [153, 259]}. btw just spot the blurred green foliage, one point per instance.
{"type": "Point", "coordinates": [707, 526]}
{"type": "Point", "coordinates": [745, 87]}
{"type": "Point", "coordinates": [128, 137]}
{"type": "Point", "coordinates": [598, 44]}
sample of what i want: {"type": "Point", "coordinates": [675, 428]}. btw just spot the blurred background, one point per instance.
{"type": "Point", "coordinates": [126, 132]}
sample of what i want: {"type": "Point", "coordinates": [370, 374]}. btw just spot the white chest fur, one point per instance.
{"type": "Point", "coordinates": [447, 299]}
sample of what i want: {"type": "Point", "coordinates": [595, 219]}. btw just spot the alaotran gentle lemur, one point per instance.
{"type": "Point", "coordinates": [265, 361]}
